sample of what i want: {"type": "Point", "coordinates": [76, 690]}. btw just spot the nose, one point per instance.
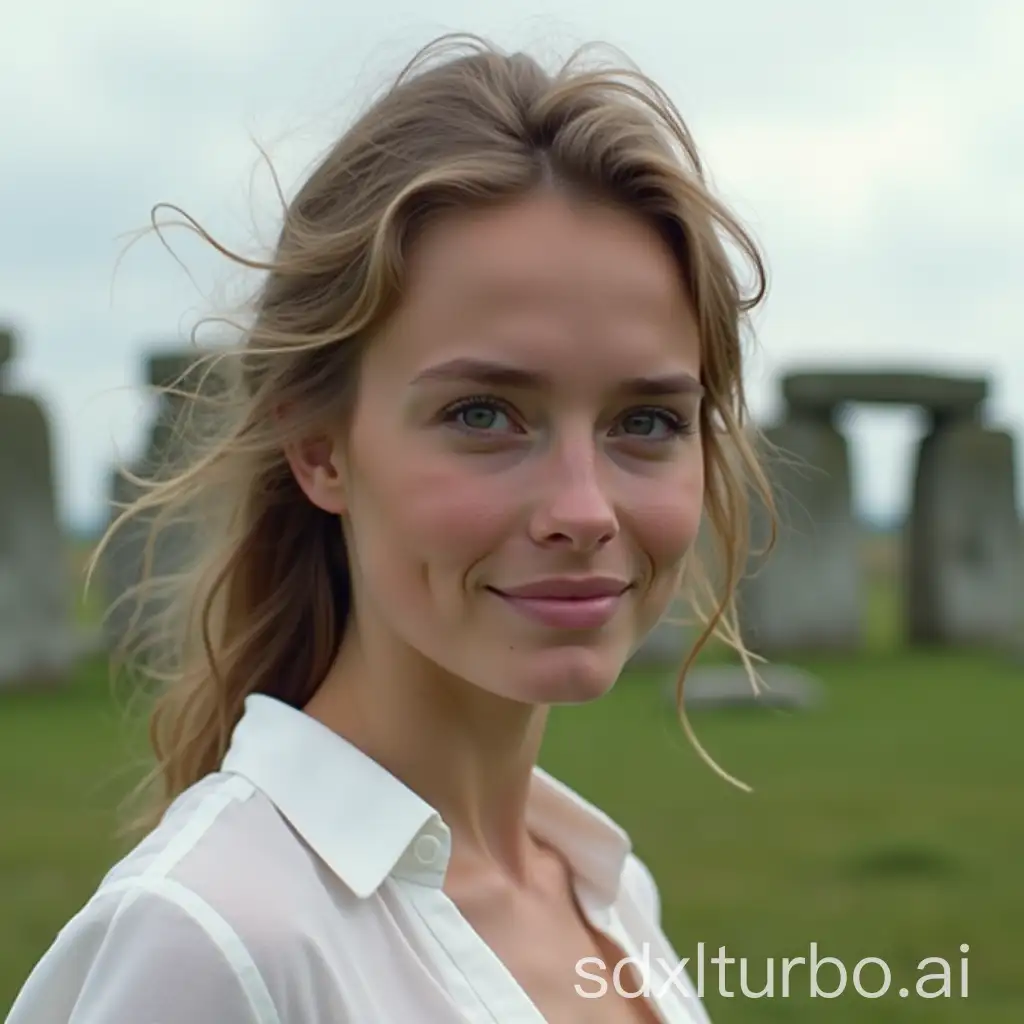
{"type": "Point", "coordinates": [576, 512]}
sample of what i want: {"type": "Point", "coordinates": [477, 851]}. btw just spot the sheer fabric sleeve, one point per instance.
{"type": "Point", "coordinates": [151, 955]}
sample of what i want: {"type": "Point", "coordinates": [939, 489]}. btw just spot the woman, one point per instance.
{"type": "Point", "coordinates": [492, 383]}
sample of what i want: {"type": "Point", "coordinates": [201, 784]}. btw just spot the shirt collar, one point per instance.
{"type": "Point", "coordinates": [339, 799]}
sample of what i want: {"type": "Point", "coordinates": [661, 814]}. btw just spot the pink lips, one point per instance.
{"type": "Point", "coordinates": [568, 602]}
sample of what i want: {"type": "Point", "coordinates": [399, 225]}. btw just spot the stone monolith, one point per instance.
{"type": "Point", "coordinates": [965, 561]}
{"type": "Point", "coordinates": [38, 640]}
{"type": "Point", "coordinates": [123, 565]}
{"type": "Point", "coordinates": [808, 593]}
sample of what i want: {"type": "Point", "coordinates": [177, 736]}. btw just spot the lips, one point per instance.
{"type": "Point", "coordinates": [575, 603]}
{"type": "Point", "coordinates": [568, 588]}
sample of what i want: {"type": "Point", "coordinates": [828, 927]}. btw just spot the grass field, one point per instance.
{"type": "Point", "coordinates": [888, 822]}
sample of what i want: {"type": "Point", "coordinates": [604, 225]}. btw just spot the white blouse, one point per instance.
{"type": "Point", "coordinates": [302, 884]}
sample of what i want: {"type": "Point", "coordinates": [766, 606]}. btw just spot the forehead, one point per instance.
{"type": "Point", "coordinates": [550, 281]}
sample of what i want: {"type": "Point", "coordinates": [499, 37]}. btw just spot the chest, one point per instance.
{"type": "Point", "coordinates": [567, 969]}
{"type": "Point", "coordinates": [575, 976]}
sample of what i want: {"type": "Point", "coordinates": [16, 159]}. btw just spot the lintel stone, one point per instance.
{"type": "Point", "coordinates": [170, 368]}
{"type": "Point", "coordinates": [821, 392]}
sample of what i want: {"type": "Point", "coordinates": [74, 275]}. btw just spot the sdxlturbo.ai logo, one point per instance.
{"type": "Point", "coordinates": [870, 978]}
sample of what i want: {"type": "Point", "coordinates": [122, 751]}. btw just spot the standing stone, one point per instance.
{"type": "Point", "coordinates": [6, 354]}
{"type": "Point", "coordinates": [807, 594]}
{"type": "Point", "coordinates": [38, 641]}
{"type": "Point", "coordinates": [965, 558]}
{"type": "Point", "coordinates": [123, 565]}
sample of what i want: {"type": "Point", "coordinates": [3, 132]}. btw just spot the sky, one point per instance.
{"type": "Point", "coordinates": [874, 149]}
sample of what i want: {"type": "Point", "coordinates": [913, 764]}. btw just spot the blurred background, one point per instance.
{"type": "Point", "coordinates": [875, 152]}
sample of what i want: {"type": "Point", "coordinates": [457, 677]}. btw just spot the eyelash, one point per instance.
{"type": "Point", "coordinates": [677, 425]}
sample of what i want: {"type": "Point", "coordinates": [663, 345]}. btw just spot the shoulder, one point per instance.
{"type": "Point", "coordinates": [202, 922]}
{"type": "Point", "coordinates": [139, 952]}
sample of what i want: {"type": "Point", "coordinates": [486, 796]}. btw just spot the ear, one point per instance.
{"type": "Point", "coordinates": [318, 467]}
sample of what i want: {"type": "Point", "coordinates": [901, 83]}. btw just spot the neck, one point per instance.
{"type": "Point", "coordinates": [468, 753]}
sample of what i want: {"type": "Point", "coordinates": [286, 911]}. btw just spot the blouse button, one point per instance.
{"type": "Point", "coordinates": [427, 849]}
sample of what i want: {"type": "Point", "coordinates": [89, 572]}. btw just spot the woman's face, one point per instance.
{"type": "Point", "coordinates": [523, 475]}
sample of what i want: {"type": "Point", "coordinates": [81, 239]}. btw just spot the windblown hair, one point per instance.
{"type": "Point", "coordinates": [264, 602]}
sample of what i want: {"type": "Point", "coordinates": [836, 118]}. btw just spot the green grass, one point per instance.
{"type": "Point", "coordinates": [887, 822]}
{"type": "Point", "coordinates": [66, 760]}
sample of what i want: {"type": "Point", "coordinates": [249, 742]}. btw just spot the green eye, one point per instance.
{"type": "Point", "coordinates": [475, 415]}
{"type": "Point", "coordinates": [480, 417]}
{"type": "Point", "coordinates": [654, 423]}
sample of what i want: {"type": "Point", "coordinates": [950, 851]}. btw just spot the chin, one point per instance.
{"type": "Point", "coordinates": [565, 675]}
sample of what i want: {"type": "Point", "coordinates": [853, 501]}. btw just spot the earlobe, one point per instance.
{"type": "Point", "coordinates": [316, 470]}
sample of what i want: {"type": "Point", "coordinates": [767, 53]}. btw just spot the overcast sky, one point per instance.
{"type": "Point", "coordinates": [874, 149]}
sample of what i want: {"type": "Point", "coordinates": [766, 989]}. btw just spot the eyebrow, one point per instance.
{"type": "Point", "coordinates": [489, 374]}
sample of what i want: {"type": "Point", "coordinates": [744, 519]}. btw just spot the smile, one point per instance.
{"type": "Point", "coordinates": [581, 604]}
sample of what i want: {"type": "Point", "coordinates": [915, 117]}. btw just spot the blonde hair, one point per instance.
{"type": "Point", "coordinates": [262, 604]}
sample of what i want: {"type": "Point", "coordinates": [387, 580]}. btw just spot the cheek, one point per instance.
{"type": "Point", "coordinates": [443, 519]}
{"type": "Point", "coordinates": [665, 516]}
